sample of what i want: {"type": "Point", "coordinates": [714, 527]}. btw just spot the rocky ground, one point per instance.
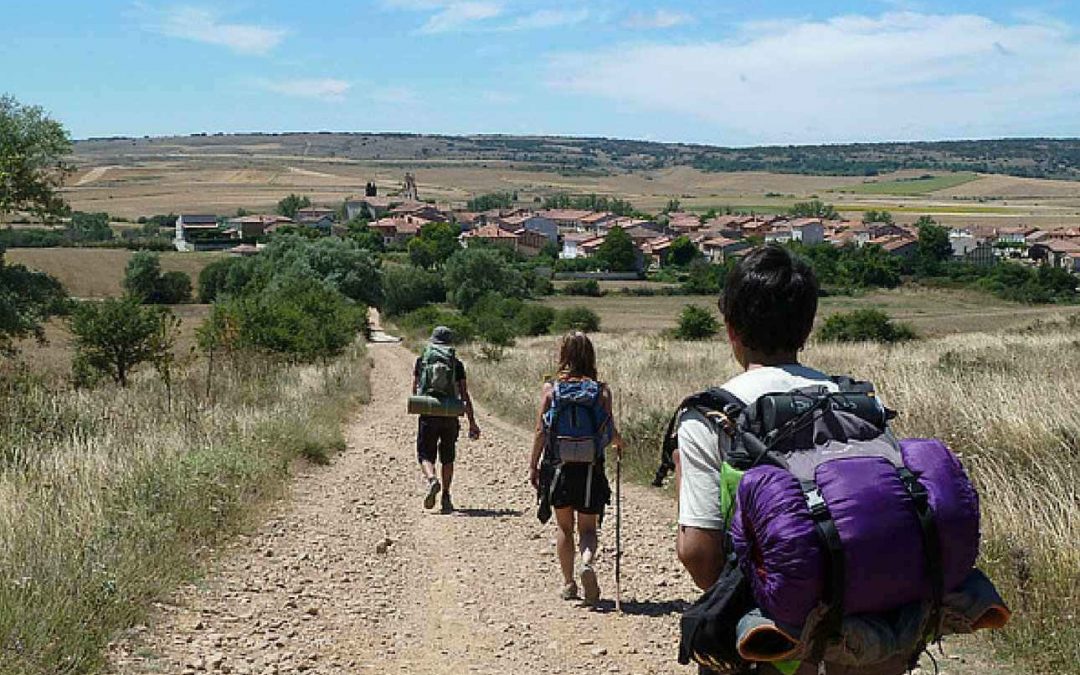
{"type": "Point", "coordinates": [350, 574]}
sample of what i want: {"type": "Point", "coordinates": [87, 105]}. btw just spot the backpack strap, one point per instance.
{"type": "Point", "coordinates": [717, 404]}
{"type": "Point", "coordinates": [825, 526]}
{"type": "Point", "coordinates": [931, 551]}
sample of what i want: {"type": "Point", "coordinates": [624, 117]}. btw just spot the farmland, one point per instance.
{"type": "Point", "coordinates": [141, 177]}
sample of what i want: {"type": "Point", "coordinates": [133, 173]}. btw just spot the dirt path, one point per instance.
{"type": "Point", "coordinates": [351, 575]}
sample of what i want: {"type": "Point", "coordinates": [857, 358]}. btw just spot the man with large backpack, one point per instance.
{"type": "Point", "coordinates": [441, 375]}
{"type": "Point", "coordinates": [825, 545]}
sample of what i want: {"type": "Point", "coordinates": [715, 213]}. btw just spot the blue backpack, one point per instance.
{"type": "Point", "coordinates": [578, 427]}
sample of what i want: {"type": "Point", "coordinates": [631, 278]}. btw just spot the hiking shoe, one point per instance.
{"type": "Point", "coordinates": [447, 505]}
{"type": "Point", "coordinates": [592, 588]}
{"type": "Point", "coordinates": [433, 489]}
{"type": "Point", "coordinates": [569, 591]}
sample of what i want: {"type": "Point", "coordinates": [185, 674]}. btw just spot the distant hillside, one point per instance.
{"type": "Point", "coordinates": [1035, 158]}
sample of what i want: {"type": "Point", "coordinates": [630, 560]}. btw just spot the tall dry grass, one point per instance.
{"type": "Point", "coordinates": [110, 497]}
{"type": "Point", "coordinates": [1006, 402]}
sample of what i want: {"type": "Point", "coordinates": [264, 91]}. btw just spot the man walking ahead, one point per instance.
{"type": "Point", "coordinates": [440, 373]}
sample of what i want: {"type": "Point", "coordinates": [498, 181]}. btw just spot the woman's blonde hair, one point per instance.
{"type": "Point", "coordinates": [577, 358]}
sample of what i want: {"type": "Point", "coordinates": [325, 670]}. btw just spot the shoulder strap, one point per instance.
{"type": "Point", "coordinates": [714, 402]}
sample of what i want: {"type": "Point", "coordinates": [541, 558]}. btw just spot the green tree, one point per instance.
{"type": "Point", "coordinates": [406, 288]}
{"type": "Point", "coordinates": [115, 335]}
{"type": "Point", "coordinates": [142, 275]}
{"type": "Point", "coordinates": [213, 279]}
{"type": "Point", "coordinates": [934, 248]}
{"type": "Point", "coordinates": [364, 236]}
{"type": "Point", "coordinates": [696, 323]}
{"type": "Point", "coordinates": [683, 252]}
{"type": "Point", "coordinates": [343, 264]}
{"type": "Point", "coordinates": [33, 148]}
{"type": "Point", "coordinates": [89, 227]}
{"type": "Point", "coordinates": [495, 200]}
{"type": "Point", "coordinates": [875, 216]}
{"type": "Point", "coordinates": [617, 252]}
{"type": "Point", "coordinates": [290, 205]}
{"type": "Point", "coordinates": [474, 272]}
{"type": "Point", "coordinates": [434, 245]}
{"type": "Point", "coordinates": [27, 300]}
{"type": "Point", "coordinates": [814, 209]}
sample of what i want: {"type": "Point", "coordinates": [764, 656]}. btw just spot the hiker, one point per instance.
{"type": "Point", "coordinates": [439, 372]}
{"type": "Point", "coordinates": [830, 559]}
{"type": "Point", "coordinates": [574, 426]}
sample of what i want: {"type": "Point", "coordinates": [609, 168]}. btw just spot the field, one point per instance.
{"type": "Point", "coordinates": [99, 272]}
{"type": "Point", "coordinates": [1004, 400]}
{"type": "Point", "coordinates": [931, 312]}
{"type": "Point", "coordinates": [910, 187]}
{"type": "Point", "coordinates": [142, 177]}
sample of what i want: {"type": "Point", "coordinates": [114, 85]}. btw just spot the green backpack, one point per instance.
{"type": "Point", "coordinates": [438, 372]}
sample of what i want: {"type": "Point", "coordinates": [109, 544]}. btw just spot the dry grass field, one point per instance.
{"type": "Point", "coordinates": [931, 312]}
{"type": "Point", "coordinates": [99, 272]}
{"type": "Point", "coordinates": [146, 177]}
{"type": "Point", "coordinates": [1004, 400]}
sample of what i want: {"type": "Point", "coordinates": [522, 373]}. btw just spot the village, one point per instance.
{"type": "Point", "coordinates": [576, 234]}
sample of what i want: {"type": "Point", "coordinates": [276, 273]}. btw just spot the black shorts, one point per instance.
{"type": "Point", "coordinates": [437, 437]}
{"type": "Point", "coordinates": [570, 488]}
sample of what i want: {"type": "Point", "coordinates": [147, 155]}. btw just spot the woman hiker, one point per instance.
{"type": "Point", "coordinates": [573, 427]}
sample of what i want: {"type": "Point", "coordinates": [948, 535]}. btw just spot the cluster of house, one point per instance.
{"type": "Point", "coordinates": [577, 233]}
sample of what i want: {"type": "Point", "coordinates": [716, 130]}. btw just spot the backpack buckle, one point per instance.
{"type": "Point", "coordinates": [816, 503]}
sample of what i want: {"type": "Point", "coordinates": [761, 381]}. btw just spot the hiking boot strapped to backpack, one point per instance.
{"type": "Point", "coordinates": [845, 546]}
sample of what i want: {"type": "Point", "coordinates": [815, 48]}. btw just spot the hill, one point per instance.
{"type": "Point", "coordinates": [1033, 158]}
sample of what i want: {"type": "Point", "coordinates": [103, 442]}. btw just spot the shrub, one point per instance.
{"type": "Point", "coordinates": [696, 323]}
{"type": "Point", "coordinates": [174, 288]}
{"type": "Point", "coordinates": [577, 318]}
{"type": "Point", "coordinates": [299, 316]}
{"type": "Point", "coordinates": [115, 335]}
{"type": "Point", "coordinates": [473, 273]}
{"type": "Point", "coordinates": [584, 287]}
{"type": "Point", "coordinates": [407, 288]}
{"type": "Point", "coordinates": [535, 319]}
{"type": "Point", "coordinates": [214, 278]}
{"type": "Point", "coordinates": [863, 325]}
{"type": "Point", "coordinates": [422, 321]}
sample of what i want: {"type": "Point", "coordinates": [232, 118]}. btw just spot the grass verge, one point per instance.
{"type": "Point", "coordinates": [110, 497]}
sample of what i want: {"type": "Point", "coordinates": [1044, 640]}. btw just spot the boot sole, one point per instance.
{"type": "Point", "coordinates": [591, 587]}
{"type": "Point", "coordinates": [433, 491]}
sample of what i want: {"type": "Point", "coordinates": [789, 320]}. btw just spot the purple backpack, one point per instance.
{"type": "Point", "coordinates": [833, 517]}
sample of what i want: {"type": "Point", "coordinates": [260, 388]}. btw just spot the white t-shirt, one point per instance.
{"type": "Point", "coordinates": [702, 445]}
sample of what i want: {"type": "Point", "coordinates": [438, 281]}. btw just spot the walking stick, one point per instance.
{"type": "Point", "coordinates": [618, 533]}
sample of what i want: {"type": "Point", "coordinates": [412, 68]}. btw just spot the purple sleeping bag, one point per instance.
{"type": "Point", "coordinates": [785, 559]}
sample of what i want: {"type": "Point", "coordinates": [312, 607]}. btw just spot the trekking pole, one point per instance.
{"type": "Point", "coordinates": [618, 533]}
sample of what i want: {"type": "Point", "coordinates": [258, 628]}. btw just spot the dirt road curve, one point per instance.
{"type": "Point", "coordinates": [350, 575]}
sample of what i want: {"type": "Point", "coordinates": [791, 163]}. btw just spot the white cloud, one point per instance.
{"type": "Point", "coordinates": [453, 16]}
{"type": "Point", "coordinates": [661, 18]}
{"type": "Point", "coordinates": [548, 18]}
{"type": "Point", "coordinates": [896, 76]}
{"type": "Point", "coordinates": [327, 89]}
{"type": "Point", "coordinates": [205, 25]}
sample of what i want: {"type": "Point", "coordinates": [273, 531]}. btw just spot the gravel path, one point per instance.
{"type": "Point", "coordinates": [351, 575]}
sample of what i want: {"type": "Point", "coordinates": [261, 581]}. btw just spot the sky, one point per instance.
{"type": "Point", "coordinates": [738, 72]}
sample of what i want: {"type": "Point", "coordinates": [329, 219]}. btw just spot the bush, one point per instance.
{"type": "Point", "coordinates": [535, 319]}
{"type": "Point", "coordinates": [696, 323]}
{"type": "Point", "coordinates": [115, 335]}
{"type": "Point", "coordinates": [585, 287]}
{"type": "Point", "coordinates": [577, 318]}
{"type": "Point", "coordinates": [299, 316]}
{"type": "Point", "coordinates": [406, 288]}
{"type": "Point", "coordinates": [473, 273]}
{"type": "Point", "coordinates": [214, 278]}
{"type": "Point", "coordinates": [174, 288]}
{"type": "Point", "coordinates": [421, 322]}
{"type": "Point", "coordinates": [864, 325]}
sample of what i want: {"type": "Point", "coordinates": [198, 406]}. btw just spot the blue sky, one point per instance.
{"type": "Point", "coordinates": [730, 73]}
